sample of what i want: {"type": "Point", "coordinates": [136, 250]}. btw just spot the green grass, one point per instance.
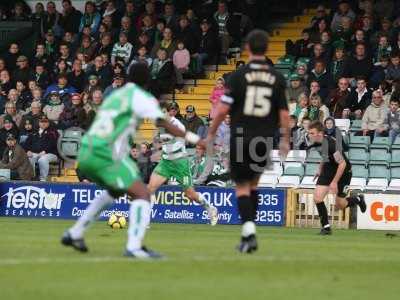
{"type": "Point", "coordinates": [201, 264]}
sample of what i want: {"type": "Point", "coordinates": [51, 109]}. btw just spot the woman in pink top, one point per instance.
{"type": "Point", "coordinates": [216, 95]}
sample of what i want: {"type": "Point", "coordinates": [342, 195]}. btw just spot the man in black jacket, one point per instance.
{"type": "Point", "coordinates": [208, 46]}
{"type": "Point", "coordinates": [41, 147]}
{"type": "Point", "coordinates": [359, 65]}
{"type": "Point", "coordinates": [358, 100]}
{"type": "Point", "coordinates": [70, 18]}
{"type": "Point", "coordinates": [324, 79]}
{"type": "Point", "coordinates": [103, 72]}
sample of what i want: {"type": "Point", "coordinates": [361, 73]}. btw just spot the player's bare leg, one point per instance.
{"type": "Point", "coordinates": [139, 218]}
{"type": "Point", "coordinates": [343, 202]}
{"type": "Point", "coordinates": [320, 193]}
{"type": "Point", "coordinates": [211, 210]}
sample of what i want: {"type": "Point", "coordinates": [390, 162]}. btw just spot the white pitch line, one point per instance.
{"type": "Point", "coordinates": [250, 258]}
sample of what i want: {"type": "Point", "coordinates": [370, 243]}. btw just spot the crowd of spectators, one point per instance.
{"type": "Point", "coordinates": [80, 57]}
{"type": "Point", "coordinates": [348, 66]}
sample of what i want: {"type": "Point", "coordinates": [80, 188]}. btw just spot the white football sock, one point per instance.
{"type": "Point", "coordinates": [139, 218]}
{"type": "Point", "coordinates": [90, 215]}
{"type": "Point", "coordinates": [248, 228]}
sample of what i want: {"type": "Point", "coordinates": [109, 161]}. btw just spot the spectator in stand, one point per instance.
{"type": "Point", "coordinates": [41, 76]}
{"type": "Point", "coordinates": [90, 18]}
{"type": "Point", "coordinates": [321, 14]}
{"type": "Point", "coordinates": [193, 122]}
{"type": "Point", "coordinates": [42, 58]}
{"type": "Point", "coordinates": [102, 71]}
{"type": "Point", "coordinates": [118, 81]}
{"type": "Point", "coordinates": [185, 34]}
{"type": "Point", "coordinates": [11, 57]}
{"type": "Point", "coordinates": [34, 114]}
{"type": "Point", "coordinates": [385, 30]}
{"type": "Point", "coordinates": [61, 68]}
{"type": "Point", "coordinates": [140, 57]}
{"type": "Point", "coordinates": [208, 46]}
{"type": "Point", "coordinates": [15, 159]}
{"type": "Point", "coordinates": [345, 32]}
{"type": "Point", "coordinates": [383, 48]}
{"type": "Point", "coordinates": [19, 14]}
{"type": "Point", "coordinates": [122, 49]}
{"type": "Point", "coordinates": [111, 11]}
{"type": "Point", "coordinates": [162, 74]}
{"type": "Point", "coordinates": [344, 10]}
{"type": "Point", "coordinates": [144, 162]}
{"type": "Point", "coordinates": [149, 11]}
{"type": "Point", "coordinates": [93, 105]}
{"type": "Point", "coordinates": [26, 130]}
{"type": "Point", "coordinates": [326, 42]}
{"type": "Point", "coordinates": [303, 47]}
{"type": "Point", "coordinates": [171, 19]}
{"type": "Point", "coordinates": [374, 116]}
{"type": "Point", "coordinates": [393, 70]}
{"type": "Point", "coordinates": [358, 66]}
{"type": "Point", "coordinates": [13, 97]}
{"type": "Point", "coordinates": [335, 132]}
{"type": "Point", "coordinates": [223, 135]}
{"type": "Point", "coordinates": [128, 29]}
{"type": "Point", "coordinates": [61, 87]}
{"type": "Point", "coordinates": [301, 140]}
{"type": "Point", "coordinates": [131, 12]}
{"type": "Point", "coordinates": [215, 97]}
{"type": "Point", "coordinates": [224, 23]}
{"type": "Point", "coordinates": [11, 111]}
{"type": "Point", "coordinates": [5, 82]}
{"type": "Point", "coordinates": [379, 72]}
{"type": "Point", "coordinates": [167, 43]}
{"type": "Point", "coordinates": [73, 114]}
{"type": "Point", "coordinates": [9, 127]}
{"type": "Point", "coordinates": [41, 148]}
{"type": "Point", "coordinates": [336, 67]}
{"type": "Point", "coordinates": [358, 100]}
{"type": "Point", "coordinates": [77, 77]}
{"type": "Point", "coordinates": [144, 40]}
{"type": "Point", "coordinates": [54, 108]}
{"type": "Point", "coordinates": [150, 30]}
{"type": "Point", "coordinates": [317, 111]}
{"type": "Point", "coordinates": [87, 47]}
{"type": "Point", "coordinates": [174, 111]}
{"type": "Point", "coordinates": [65, 54]}
{"type": "Point", "coordinates": [93, 84]}
{"type": "Point", "coordinates": [36, 96]}
{"type": "Point", "coordinates": [159, 31]}
{"type": "Point", "coordinates": [338, 98]}
{"type": "Point", "coordinates": [24, 96]}
{"type": "Point", "coordinates": [391, 124]}
{"type": "Point", "coordinates": [105, 45]}
{"type": "Point", "coordinates": [296, 87]}
{"type": "Point", "coordinates": [23, 72]}
{"type": "Point", "coordinates": [51, 44]}
{"type": "Point", "coordinates": [318, 54]}
{"type": "Point", "coordinates": [301, 109]}
{"type": "Point", "coordinates": [52, 19]}
{"type": "Point", "coordinates": [181, 60]}
{"type": "Point", "coordinates": [70, 18]}
{"type": "Point", "coordinates": [315, 34]}
{"type": "Point", "coordinates": [314, 88]}
{"type": "Point", "coordinates": [320, 75]}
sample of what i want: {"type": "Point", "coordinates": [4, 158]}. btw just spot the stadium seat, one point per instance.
{"type": "Point", "coordinates": [292, 175]}
{"type": "Point", "coordinates": [313, 156]}
{"type": "Point", "coordinates": [270, 176]}
{"type": "Point", "coordinates": [395, 160]}
{"type": "Point", "coordinates": [296, 155]}
{"type": "Point", "coordinates": [359, 179]}
{"type": "Point", "coordinates": [275, 157]}
{"type": "Point", "coordinates": [362, 142]}
{"type": "Point", "coordinates": [379, 177]}
{"type": "Point", "coordinates": [343, 124]}
{"type": "Point", "coordinates": [394, 184]}
{"type": "Point", "coordinates": [355, 126]}
{"type": "Point", "coordinates": [69, 142]}
{"type": "Point", "coordinates": [381, 143]}
{"type": "Point", "coordinates": [358, 156]}
{"type": "Point", "coordinates": [379, 157]}
{"type": "Point", "coordinates": [396, 143]}
{"type": "Point", "coordinates": [309, 174]}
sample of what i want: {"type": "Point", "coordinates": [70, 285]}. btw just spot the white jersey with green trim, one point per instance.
{"type": "Point", "coordinates": [175, 147]}
{"type": "Point", "coordinates": [118, 118]}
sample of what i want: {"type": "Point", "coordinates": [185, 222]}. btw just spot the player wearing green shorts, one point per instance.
{"type": "Point", "coordinates": [175, 163]}
{"type": "Point", "coordinates": [104, 159]}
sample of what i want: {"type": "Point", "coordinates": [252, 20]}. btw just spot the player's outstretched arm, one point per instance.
{"type": "Point", "coordinates": [175, 131]}
{"type": "Point", "coordinates": [222, 111]}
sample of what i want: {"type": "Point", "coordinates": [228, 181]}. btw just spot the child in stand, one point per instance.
{"type": "Point", "coordinates": [216, 95]}
{"type": "Point", "coordinates": [181, 60]}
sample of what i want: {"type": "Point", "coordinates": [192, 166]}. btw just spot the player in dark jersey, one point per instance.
{"type": "Point", "coordinates": [334, 175]}
{"type": "Point", "coordinates": [255, 99]}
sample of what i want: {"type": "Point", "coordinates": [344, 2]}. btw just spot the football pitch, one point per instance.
{"type": "Point", "coordinates": [201, 264]}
